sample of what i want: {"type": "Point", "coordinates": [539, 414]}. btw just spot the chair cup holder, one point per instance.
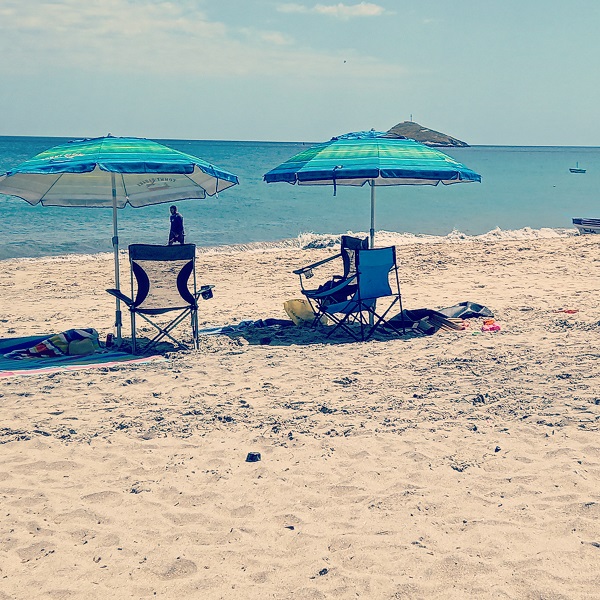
{"type": "Point", "coordinates": [207, 294]}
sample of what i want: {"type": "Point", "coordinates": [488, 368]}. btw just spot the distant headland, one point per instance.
{"type": "Point", "coordinates": [429, 137]}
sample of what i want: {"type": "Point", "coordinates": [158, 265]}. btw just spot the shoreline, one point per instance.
{"type": "Point", "coordinates": [283, 142]}
{"type": "Point", "coordinates": [309, 240]}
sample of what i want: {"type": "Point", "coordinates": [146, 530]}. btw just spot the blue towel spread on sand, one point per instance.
{"type": "Point", "coordinates": [9, 367]}
{"type": "Point", "coordinates": [246, 325]}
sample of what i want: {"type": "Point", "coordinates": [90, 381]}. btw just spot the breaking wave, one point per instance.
{"type": "Point", "coordinates": [306, 241]}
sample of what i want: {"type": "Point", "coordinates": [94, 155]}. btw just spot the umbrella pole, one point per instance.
{"type": "Point", "coordinates": [115, 243]}
{"type": "Point", "coordinates": [372, 230]}
{"type": "Point", "coordinates": [372, 236]}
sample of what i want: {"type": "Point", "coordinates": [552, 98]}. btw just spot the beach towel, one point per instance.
{"type": "Point", "coordinates": [426, 321]}
{"type": "Point", "coordinates": [73, 342]}
{"type": "Point", "coordinates": [40, 364]}
{"type": "Point", "coordinates": [245, 326]}
{"type": "Point", "coordinates": [466, 310]}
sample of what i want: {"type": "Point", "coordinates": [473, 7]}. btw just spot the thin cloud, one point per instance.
{"type": "Point", "coordinates": [339, 11]}
{"type": "Point", "coordinates": [293, 8]}
{"type": "Point", "coordinates": [275, 38]}
{"type": "Point", "coordinates": [157, 38]}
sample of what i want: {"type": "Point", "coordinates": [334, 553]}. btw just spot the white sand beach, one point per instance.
{"type": "Point", "coordinates": [458, 465]}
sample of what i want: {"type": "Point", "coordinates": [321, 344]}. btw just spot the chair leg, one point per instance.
{"type": "Point", "coordinates": [319, 314]}
{"type": "Point", "coordinates": [133, 340]}
{"type": "Point", "coordinates": [343, 324]}
{"type": "Point", "coordinates": [381, 319]}
{"type": "Point", "coordinates": [318, 310]}
{"type": "Point", "coordinates": [368, 319]}
{"type": "Point", "coordinates": [164, 332]}
{"type": "Point", "coordinates": [195, 329]}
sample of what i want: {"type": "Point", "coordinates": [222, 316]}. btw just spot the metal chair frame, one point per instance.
{"type": "Point", "coordinates": [361, 306]}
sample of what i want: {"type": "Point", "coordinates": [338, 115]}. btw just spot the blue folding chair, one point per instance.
{"type": "Point", "coordinates": [376, 278]}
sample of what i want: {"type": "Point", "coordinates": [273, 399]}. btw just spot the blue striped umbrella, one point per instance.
{"type": "Point", "coordinates": [372, 158]}
{"type": "Point", "coordinates": [113, 172]}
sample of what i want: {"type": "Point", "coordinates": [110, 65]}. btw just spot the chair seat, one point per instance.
{"type": "Point", "coordinates": [349, 306]}
{"type": "Point", "coordinates": [162, 311]}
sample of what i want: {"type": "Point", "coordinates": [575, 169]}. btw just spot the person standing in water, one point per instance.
{"type": "Point", "coordinates": [176, 234]}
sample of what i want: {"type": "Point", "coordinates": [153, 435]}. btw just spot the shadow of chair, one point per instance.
{"type": "Point", "coordinates": [352, 304]}
{"type": "Point", "coordinates": [163, 280]}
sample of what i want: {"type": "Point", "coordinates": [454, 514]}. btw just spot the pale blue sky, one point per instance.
{"type": "Point", "coordinates": [511, 72]}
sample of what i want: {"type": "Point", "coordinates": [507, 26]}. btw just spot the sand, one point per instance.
{"type": "Point", "coordinates": [457, 465]}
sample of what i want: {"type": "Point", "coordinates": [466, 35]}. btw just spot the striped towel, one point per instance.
{"type": "Point", "coordinates": [70, 342]}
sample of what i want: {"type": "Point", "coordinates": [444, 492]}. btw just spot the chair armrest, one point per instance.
{"type": "Point", "coordinates": [302, 270]}
{"type": "Point", "coordinates": [118, 294]}
{"type": "Point", "coordinates": [318, 295]}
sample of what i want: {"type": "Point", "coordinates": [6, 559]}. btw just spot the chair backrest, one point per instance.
{"type": "Point", "coordinates": [373, 269]}
{"type": "Point", "coordinates": [348, 250]}
{"type": "Point", "coordinates": [161, 276]}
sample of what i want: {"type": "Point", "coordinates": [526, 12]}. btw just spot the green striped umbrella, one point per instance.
{"type": "Point", "coordinates": [113, 172]}
{"type": "Point", "coordinates": [372, 158]}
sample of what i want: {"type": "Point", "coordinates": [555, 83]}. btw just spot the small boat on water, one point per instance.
{"type": "Point", "coordinates": [576, 169]}
{"type": "Point", "coordinates": [587, 225]}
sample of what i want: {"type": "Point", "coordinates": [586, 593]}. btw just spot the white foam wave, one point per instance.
{"type": "Point", "coordinates": [392, 238]}
{"type": "Point", "coordinates": [70, 258]}
{"type": "Point", "coordinates": [309, 240]}
{"type": "Point", "coordinates": [250, 247]}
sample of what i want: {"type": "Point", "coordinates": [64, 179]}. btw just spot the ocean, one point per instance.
{"type": "Point", "coordinates": [525, 192]}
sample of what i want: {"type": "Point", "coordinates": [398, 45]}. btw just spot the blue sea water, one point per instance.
{"type": "Point", "coordinates": [522, 187]}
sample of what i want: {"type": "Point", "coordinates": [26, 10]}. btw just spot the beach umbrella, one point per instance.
{"type": "Point", "coordinates": [113, 172]}
{"type": "Point", "coordinates": [370, 157]}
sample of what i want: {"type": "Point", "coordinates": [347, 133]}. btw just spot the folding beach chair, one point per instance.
{"type": "Point", "coordinates": [348, 247]}
{"type": "Point", "coordinates": [376, 278]}
{"type": "Point", "coordinates": [160, 276]}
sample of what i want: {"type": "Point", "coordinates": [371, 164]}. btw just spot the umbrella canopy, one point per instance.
{"type": "Point", "coordinates": [371, 157]}
{"type": "Point", "coordinates": [113, 172]}
{"type": "Point", "coordinates": [79, 173]}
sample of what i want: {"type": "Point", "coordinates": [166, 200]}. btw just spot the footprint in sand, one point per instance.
{"type": "Point", "coordinates": [243, 511]}
{"type": "Point", "coordinates": [181, 567]}
{"type": "Point", "coordinates": [103, 497]}
{"type": "Point", "coordinates": [81, 515]}
{"type": "Point", "coordinates": [35, 551]}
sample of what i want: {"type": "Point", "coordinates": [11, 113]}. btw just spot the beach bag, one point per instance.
{"type": "Point", "coordinates": [301, 312]}
{"type": "Point", "coordinates": [82, 347]}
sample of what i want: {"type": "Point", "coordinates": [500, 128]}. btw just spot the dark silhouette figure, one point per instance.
{"type": "Point", "coordinates": [176, 235]}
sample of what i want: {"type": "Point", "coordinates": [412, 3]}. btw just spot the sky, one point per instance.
{"type": "Point", "coordinates": [502, 72]}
